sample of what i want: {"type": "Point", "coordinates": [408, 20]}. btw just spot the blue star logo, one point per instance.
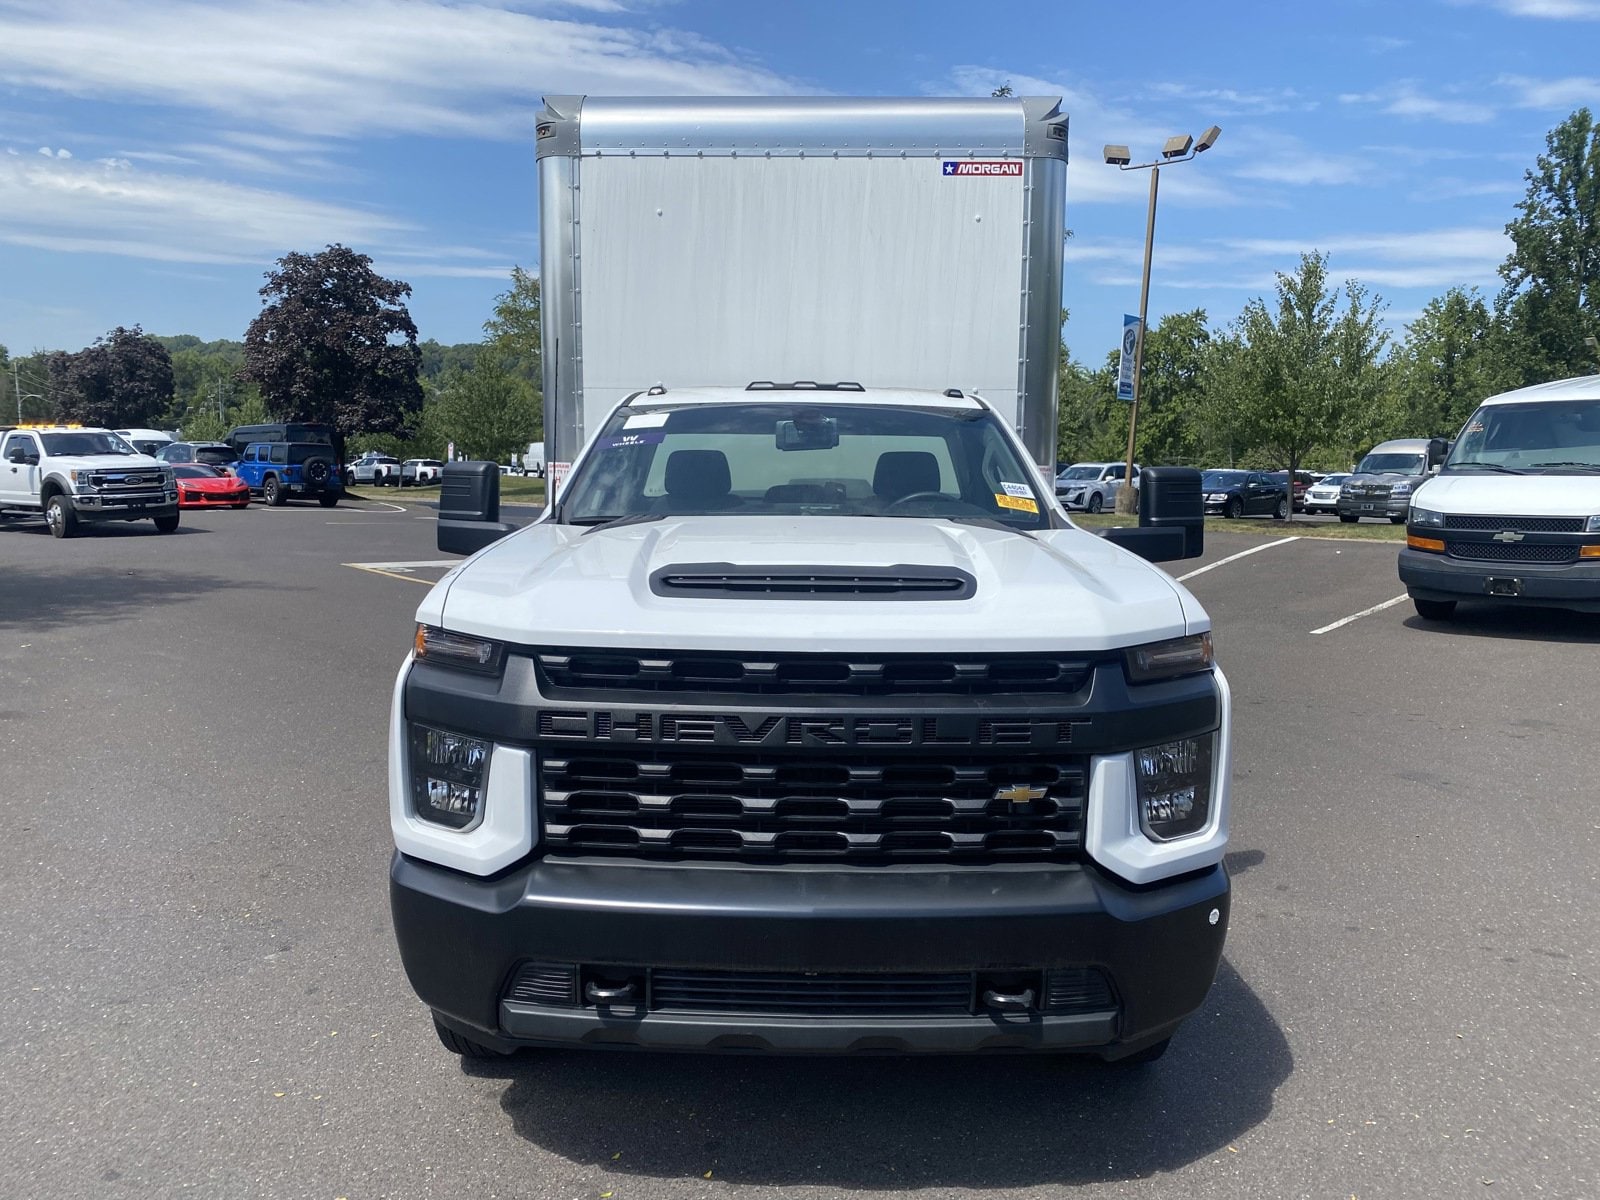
{"type": "Point", "coordinates": [949, 168]}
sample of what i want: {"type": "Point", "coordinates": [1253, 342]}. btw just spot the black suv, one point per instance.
{"type": "Point", "coordinates": [280, 471]}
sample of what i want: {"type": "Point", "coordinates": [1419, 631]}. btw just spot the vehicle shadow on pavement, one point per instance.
{"type": "Point", "coordinates": [896, 1123]}
{"type": "Point", "coordinates": [1521, 624]}
{"type": "Point", "coordinates": [46, 598]}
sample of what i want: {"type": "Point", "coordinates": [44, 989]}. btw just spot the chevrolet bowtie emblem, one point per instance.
{"type": "Point", "coordinates": [1508, 535]}
{"type": "Point", "coordinates": [1019, 793]}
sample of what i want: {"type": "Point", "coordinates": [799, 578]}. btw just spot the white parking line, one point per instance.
{"type": "Point", "coordinates": [405, 566]}
{"type": "Point", "coordinates": [1365, 612]}
{"type": "Point", "coordinates": [1222, 562]}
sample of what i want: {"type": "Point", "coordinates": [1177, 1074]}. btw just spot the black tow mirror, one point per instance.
{"type": "Point", "coordinates": [469, 507]}
{"type": "Point", "coordinates": [1172, 516]}
{"type": "Point", "coordinates": [17, 455]}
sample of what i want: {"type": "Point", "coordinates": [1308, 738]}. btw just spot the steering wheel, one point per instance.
{"type": "Point", "coordinates": [910, 496]}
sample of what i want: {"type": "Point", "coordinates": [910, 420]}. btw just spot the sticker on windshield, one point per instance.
{"type": "Point", "coordinates": [648, 438]}
{"type": "Point", "coordinates": [1017, 489]}
{"type": "Point", "coordinates": [646, 421]}
{"type": "Point", "coordinates": [1020, 503]}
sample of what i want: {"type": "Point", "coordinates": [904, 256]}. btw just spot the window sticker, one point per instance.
{"type": "Point", "coordinates": [1017, 489]}
{"type": "Point", "coordinates": [649, 437]}
{"type": "Point", "coordinates": [646, 420]}
{"type": "Point", "coordinates": [1020, 503]}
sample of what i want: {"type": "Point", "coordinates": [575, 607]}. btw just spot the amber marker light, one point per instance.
{"type": "Point", "coordinates": [1434, 545]}
{"type": "Point", "coordinates": [1589, 551]}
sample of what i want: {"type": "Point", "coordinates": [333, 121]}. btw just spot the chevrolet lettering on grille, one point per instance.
{"type": "Point", "coordinates": [778, 730]}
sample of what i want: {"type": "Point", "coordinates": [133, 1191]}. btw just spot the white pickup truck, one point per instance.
{"type": "Point", "coordinates": [76, 476]}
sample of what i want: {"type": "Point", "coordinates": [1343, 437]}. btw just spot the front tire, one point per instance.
{"type": "Point", "coordinates": [60, 516]}
{"type": "Point", "coordinates": [1397, 520]}
{"type": "Point", "coordinates": [167, 524]}
{"type": "Point", "coordinates": [1096, 503]}
{"type": "Point", "coordinates": [1141, 1058]}
{"type": "Point", "coordinates": [1349, 518]}
{"type": "Point", "coordinates": [328, 499]}
{"type": "Point", "coordinates": [1281, 513]}
{"type": "Point", "coordinates": [1434, 610]}
{"type": "Point", "coordinates": [272, 492]}
{"type": "Point", "coordinates": [464, 1046]}
{"type": "Point", "coordinates": [1234, 509]}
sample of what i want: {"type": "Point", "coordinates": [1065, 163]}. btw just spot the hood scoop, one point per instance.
{"type": "Point", "coordinates": [725, 581]}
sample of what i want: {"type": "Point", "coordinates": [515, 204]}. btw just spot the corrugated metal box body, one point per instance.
{"type": "Point", "coordinates": [909, 243]}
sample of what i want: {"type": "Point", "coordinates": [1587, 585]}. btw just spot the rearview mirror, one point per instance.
{"type": "Point", "coordinates": [808, 431]}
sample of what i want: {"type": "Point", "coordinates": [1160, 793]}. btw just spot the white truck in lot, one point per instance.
{"type": "Point", "coordinates": [1513, 516]}
{"type": "Point", "coordinates": [804, 720]}
{"type": "Point", "coordinates": [75, 476]}
{"type": "Point", "coordinates": [1092, 487]}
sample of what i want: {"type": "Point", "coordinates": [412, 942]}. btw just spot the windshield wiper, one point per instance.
{"type": "Point", "coordinates": [1484, 466]}
{"type": "Point", "coordinates": [598, 523]}
{"type": "Point", "coordinates": [1587, 467]}
{"type": "Point", "coordinates": [988, 523]}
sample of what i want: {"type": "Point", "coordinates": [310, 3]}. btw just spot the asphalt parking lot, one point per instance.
{"type": "Point", "coordinates": [199, 992]}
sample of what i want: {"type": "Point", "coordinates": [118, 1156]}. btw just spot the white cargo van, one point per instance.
{"type": "Point", "coordinates": [1514, 515]}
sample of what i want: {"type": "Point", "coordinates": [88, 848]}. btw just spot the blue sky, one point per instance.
{"type": "Point", "coordinates": [156, 158]}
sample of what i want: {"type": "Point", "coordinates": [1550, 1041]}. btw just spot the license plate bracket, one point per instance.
{"type": "Point", "coordinates": [1502, 585]}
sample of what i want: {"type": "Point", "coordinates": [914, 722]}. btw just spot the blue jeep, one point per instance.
{"type": "Point", "coordinates": [281, 471]}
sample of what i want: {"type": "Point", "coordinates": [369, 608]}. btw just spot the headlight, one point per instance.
{"type": "Point", "coordinates": [84, 481]}
{"type": "Point", "coordinates": [1426, 516]}
{"type": "Point", "coordinates": [1592, 525]}
{"type": "Point", "coordinates": [1173, 782]}
{"type": "Point", "coordinates": [449, 772]}
{"type": "Point", "coordinates": [1168, 660]}
{"type": "Point", "coordinates": [441, 647]}
{"type": "Point", "coordinates": [1217, 497]}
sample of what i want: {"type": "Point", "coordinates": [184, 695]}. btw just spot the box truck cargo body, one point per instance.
{"type": "Point", "coordinates": [714, 241]}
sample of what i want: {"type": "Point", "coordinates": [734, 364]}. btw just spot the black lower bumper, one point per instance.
{"type": "Point", "coordinates": [462, 939]}
{"type": "Point", "coordinates": [1435, 577]}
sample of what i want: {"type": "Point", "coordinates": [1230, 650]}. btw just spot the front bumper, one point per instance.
{"type": "Point", "coordinates": [462, 939]}
{"type": "Point", "coordinates": [1429, 576]}
{"type": "Point", "coordinates": [136, 506]}
{"type": "Point", "coordinates": [1377, 507]}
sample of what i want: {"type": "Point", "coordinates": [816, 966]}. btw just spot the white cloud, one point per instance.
{"type": "Point", "coordinates": [367, 66]}
{"type": "Point", "coordinates": [1227, 101]}
{"type": "Point", "coordinates": [1572, 92]}
{"type": "Point", "coordinates": [49, 153]}
{"type": "Point", "coordinates": [1386, 45]}
{"type": "Point", "coordinates": [82, 207]}
{"type": "Point", "coordinates": [1405, 100]}
{"type": "Point", "coordinates": [1549, 10]}
{"type": "Point", "coordinates": [1433, 258]}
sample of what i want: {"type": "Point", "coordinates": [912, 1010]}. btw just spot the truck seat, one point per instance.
{"type": "Point", "coordinates": [904, 472]}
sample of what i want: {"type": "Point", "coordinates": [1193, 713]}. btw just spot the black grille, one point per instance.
{"type": "Point", "coordinates": [578, 673]}
{"type": "Point", "coordinates": [1520, 552]}
{"type": "Point", "coordinates": [722, 580]}
{"type": "Point", "coordinates": [822, 995]}
{"type": "Point", "coordinates": [1077, 989]}
{"type": "Point", "coordinates": [545, 983]}
{"type": "Point", "coordinates": [1520, 524]}
{"type": "Point", "coordinates": [1067, 990]}
{"type": "Point", "coordinates": [811, 805]}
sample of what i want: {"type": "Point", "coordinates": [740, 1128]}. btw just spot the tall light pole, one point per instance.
{"type": "Point", "coordinates": [16, 387]}
{"type": "Point", "coordinates": [1180, 148]}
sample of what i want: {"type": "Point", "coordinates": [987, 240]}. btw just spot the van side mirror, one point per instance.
{"type": "Point", "coordinates": [469, 507]}
{"type": "Point", "coordinates": [1438, 451]}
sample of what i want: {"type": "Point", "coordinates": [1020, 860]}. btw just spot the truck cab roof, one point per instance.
{"type": "Point", "coordinates": [787, 393]}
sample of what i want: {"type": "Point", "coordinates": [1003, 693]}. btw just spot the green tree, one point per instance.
{"type": "Point", "coordinates": [1175, 354]}
{"type": "Point", "coordinates": [335, 342]}
{"type": "Point", "coordinates": [124, 380]}
{"type": "Point", "coordinates": [1453, 356]}
{"type": "Point", "coordinates": [1303, 371]}
{"type": "Point", "coordinates": [514, 329]}
{"type": "Point", "coordinates": [1551, 296]}
{"type": "Point", "coordinates": [488, 412]}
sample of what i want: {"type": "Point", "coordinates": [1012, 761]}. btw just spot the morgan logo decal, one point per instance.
{"type": "Point", "coordinates": [982, 166]}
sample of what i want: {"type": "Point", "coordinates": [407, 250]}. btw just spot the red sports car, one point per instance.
{"type": "Point", "coordinates": [200, 486]}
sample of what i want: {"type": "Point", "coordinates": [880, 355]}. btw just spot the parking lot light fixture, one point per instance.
{"type": "Point", "coordinates": [1178, 148]}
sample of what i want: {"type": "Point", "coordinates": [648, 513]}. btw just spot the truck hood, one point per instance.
{"type": "Point", "coordinates": [106, 462]}
{"type": "Point", "coordinates": [1389, 477]}
{"type": "Point", "coordinates": [1062, 589]}
{"type": "Point", "coordinates": [1486, 493]}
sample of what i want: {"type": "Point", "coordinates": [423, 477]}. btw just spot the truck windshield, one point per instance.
{"type": "Point", "coordinates": [1554, 436]}
{"type": "Point", "coordinates": [84, 442]}
{"type": "Point", "coordinates": [1392, 464]}
{"type": "Point", "coordinates": [770, 458]}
